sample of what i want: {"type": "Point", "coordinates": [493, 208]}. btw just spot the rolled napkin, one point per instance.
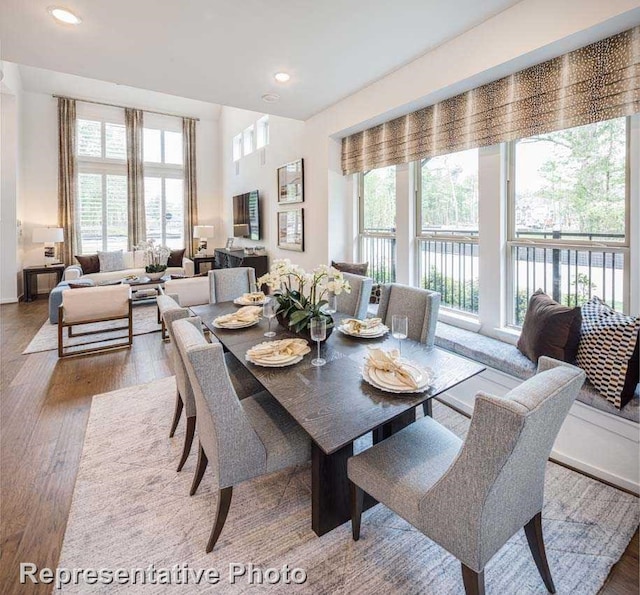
{"type": "Point", "coordinates": [356, 326]}
{"type": "Point", "coordinates": [245, 314]}
{"type": "Point", "coordinates": [288, 347]}
{"type": "Point", "coordinates": [388, 361]}
{"type": "Point", "coordinates": [256, 296]}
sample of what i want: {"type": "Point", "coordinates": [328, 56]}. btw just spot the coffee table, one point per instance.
{"type": "Point", "coordinates": [145, 288]}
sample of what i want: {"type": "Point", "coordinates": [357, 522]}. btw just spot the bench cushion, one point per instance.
{"type": "Point", "coordinates": [506, 358]}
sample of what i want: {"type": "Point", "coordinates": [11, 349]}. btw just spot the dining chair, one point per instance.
{"type": "Point", "coordinates": [420, 306]}
{"type": "Point", "coordinates": [227, 284]}
{"type": "Point", "coordinates": [165, 303]}
{"type": "Point", "coordinates": [355, 303]}
{"type": "Point", "coordinates": [242, 439]}
{"type": "Point", "coordinates": [244, 384]}
{"type": "Point", "coordinates": [471, 497]}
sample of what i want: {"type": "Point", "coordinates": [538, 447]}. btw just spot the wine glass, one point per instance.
{"type": "Point", "coordinates": [399, 325]}
{"type": "Point", "coordinates": [331, 307]}
{"type": "Point", "coordinates": [269, 312]}
{"type": "Point", "coordinates": [318, 328]}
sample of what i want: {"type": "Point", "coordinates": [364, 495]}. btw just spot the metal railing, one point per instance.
{"type": "Point", "coordinates": [379, 250]}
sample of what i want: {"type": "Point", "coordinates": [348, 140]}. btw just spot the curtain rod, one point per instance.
{"type": "Point", "coordinates": [148, 111]}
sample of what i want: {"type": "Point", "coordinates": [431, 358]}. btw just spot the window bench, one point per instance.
{"type": "Point", "coordinates": [596, 438]}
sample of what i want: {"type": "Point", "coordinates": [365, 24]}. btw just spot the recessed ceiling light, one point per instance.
{"type": "Point", "coordinates": [270, 97]}
{"type": "Point", "coordinates": [281, 77]}
{"type": "Point", "coordinates": [64, 16]}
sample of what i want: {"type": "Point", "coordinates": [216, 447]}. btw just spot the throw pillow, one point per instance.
{"type": "Point", "coordinates": [90, 263]}
{"type": "Point", "coordinates": [355, 268]}
{"type": "Point", "coordinates": [175, 258]}
{"type": "Point", "coordinates": [111, 261]}
{"type": "Point", "coordinates": [550, 329]}
{"type": "Point", "coordinates": [81, 283]}
{"type": "Point", "coordinates": [608, 351]}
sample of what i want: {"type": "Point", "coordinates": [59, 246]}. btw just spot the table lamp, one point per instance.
{"type": "Point", "coordinates": [202, 232]}
{"type": "Point", "coordinates": [49, 236]}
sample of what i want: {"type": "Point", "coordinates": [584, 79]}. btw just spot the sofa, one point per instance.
{"type": "Point", "coordinates": [134, 265]}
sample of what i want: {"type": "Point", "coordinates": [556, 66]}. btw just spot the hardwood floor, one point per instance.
{"type": "Point", "coordinates": [44, 407]}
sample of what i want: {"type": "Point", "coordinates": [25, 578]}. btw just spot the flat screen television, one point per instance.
{"type": "Point", "coordinates": [246, 216]}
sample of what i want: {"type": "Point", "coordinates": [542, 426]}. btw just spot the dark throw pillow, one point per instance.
{"type": "Point", "coordinates": [355, 268]}
{"type": "Point", "coordinates": [550, 329]}
{"type": "Point", "coordinates": [81, 283]}
{"type": "Point", "coordinates": [608, 351]}
{"type": "Point", "coordinates": [90, 263]}
{"type": "Point", "coordinates": [175, 258]}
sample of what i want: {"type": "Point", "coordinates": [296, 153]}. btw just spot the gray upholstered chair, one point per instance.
{"type": "Point", "coordinates": [355, 303]}
{"type": "Point", "coordinates": [242, 439]}
{"type": "Point", "coordinates": [244, 384]}
{"type": "Point", "coordinates": [165, 303]}
{"type": "Point", "coordinates": [471, 498]}
{"type": "Point", "coordinates": [227, 284]}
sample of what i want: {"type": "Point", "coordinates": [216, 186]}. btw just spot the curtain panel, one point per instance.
{"type": "Point", "coordinates": [67, 205]}
{"type": "Point", "coordinates": [190, 184]}
{"type": "Point", "coordinates": [598, 82]}
{"type": "Point", "coordinates": [137, 231]}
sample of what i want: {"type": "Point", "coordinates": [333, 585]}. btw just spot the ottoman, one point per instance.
{"type": "Point", "coordinates": [55, 297]}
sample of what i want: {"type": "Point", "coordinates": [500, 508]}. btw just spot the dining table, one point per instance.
{"type": "Point", "coordinates": [333, 403]}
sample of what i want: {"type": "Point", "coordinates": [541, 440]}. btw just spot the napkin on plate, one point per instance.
{"type": "Point", "coordinates": [246, 314]}
{"type": "Point", "coordinates": [356, 326]}
{"type": "Point", "coordinates": [291, 347]}
{"type": "Point", "coordinates": [387, 361]}
{"type": "Point", "coordinates": [256, 296]}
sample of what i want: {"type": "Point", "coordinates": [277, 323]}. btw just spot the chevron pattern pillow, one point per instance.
{"type": "Point", "coordinates": [608, 351]}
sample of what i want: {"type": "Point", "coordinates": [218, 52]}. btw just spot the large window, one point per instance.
{"type": "Point", "coordinates": [569, 216]}
{"type": "Point", "coordinates": [164, 185]}
{"type": "Point", "coordinates": [447, 228]}
{"type": "Point", "coordinates": [102, 184]}
{"type": "Point", "coordinates": [378, 222]}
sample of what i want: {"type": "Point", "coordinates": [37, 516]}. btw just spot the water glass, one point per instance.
{"type": "Point", "coordinates": [269, 312]}
{"type": "Point", "coordinates": [399, 326]}
{"type": "Point", "coordinates": [318, 328]}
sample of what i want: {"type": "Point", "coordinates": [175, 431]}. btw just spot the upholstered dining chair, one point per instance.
{"type": "Point", "coordinates": [244, 384]}
{"type": "Point", "coordinates": [471, 497]}
{"type": "Point", "coordinates": [227, 284]}
{"type": "Point", "coordinates": [355, 303]}
{"type": "Point", "coordinates": [165, 303]}
{"type": "Point", "coordinates": [242, 439]}
{"type": "Point", "coordinates": [420, 306]}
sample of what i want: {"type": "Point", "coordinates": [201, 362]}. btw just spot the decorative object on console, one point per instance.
{"type": "Point", "coordinates": [111, 261]}
{"type": "Point", "coordinates": [202, 232]}
{"type": "Point", "coordinates": [291, 230]}
{"type": "Point", "coordinates": [90, 263]}
{"type": "Point", "coordinates": [156, 257]}
{"type": "Point", "coordinates": [49, 236]}
{"type": "Point", "coordinates": [550, 329]}
{"type": "Point", "coordinates": [229, 244]}
{"type": "Point", "coordinates": [609, 351]}
{"type": "Point", "coordinates": [291, 182]}
{"type": "Point", "coordinates": [301, 295]}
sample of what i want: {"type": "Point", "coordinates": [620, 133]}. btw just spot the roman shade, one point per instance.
{"type": "Point", "coordinates": [598, 82]}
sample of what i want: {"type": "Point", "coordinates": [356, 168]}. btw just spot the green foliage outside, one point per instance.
{"type": "Point", "coordinates": [379, 213]}
{"type": "Point", "coordinates": [454, 293]}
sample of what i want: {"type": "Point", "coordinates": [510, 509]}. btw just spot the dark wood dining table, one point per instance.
{"type": "Point", "coordinates": [333, 403]}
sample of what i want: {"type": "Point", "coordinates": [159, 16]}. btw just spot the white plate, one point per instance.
{"type": "Point", "coordinates": [235, 325]}
{"type": "Point", "coordinates": [375, 379]}
{"type": "Point", "coordinates": [273, 364]}
{"type": "Point", "coordinates": [379, 331]}
{"type": "Point", "coordinates": [242, 302]}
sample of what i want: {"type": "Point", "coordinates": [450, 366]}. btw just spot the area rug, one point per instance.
{"type": "Point", "coordinates": [131, 509]}
{"type": "Point", "coordinates": [145, 320]}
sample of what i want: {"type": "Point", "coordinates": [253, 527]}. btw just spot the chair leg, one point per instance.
{"type": "Point", "coordinates": [176, 414]}
{"type": "Point", "coordinates": [357, 503]}
{"type": "Point", "coordinates": [427, 408]}
{"type": "Point", "coordinates": [224, 502]}
{"type": "Point", "coordinates": [473, 581]}
{"type": "Point", "coordinates": [201, 466]}
{"type": "Point", "coordinates": [533, 531]}
{"type": "Point", "coordinates": [188, 440]}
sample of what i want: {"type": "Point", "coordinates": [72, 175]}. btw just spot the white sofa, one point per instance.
{"type": "Point", "coordinates": [134, 265]}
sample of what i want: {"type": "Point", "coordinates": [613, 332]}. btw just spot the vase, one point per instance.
{"type": "Point", "coordinates": [305, 333]}
{"type": "Point", "coordinates": [156, 276]}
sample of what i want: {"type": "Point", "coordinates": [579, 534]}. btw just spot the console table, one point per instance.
{"type": "Point", "coordinates": [198, 260]}
{"type": "Point", "coordinates": [30, 278]}
{"type": "Point", "coordinates": [228, 259]}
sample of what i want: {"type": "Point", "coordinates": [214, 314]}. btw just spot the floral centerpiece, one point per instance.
{"type": "Point", "coordinates": [155, 258]}
{"type": "Point", "coordinates": [301, 295]}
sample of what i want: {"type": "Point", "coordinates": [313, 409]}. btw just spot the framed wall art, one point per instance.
{"type": "Point", "coordinates": [291, 230]}
{"type": "Point", "coordinates": [291, 182]}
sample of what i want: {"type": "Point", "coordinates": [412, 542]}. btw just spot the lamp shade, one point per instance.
{"type": "Point", "coordinates": [48, 235]}
{"type": "Point", "coordinates": [203, 231]}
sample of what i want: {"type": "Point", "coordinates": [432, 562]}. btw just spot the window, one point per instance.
{"type": "Point", "coordinates": [164, 184]}
{"type": "Point", "coordinates": [262, 132]}
{"type": "Point", "coordinates": [237, 147]}
{"type": "Point", "coordinates": [447, 222]}
{"type": "Point", "coordinates": [378, 222]}
{"type": "Point", "coordinates": [247, 141]}
{"type": "Point", "coordinates": [569, 216]}
{"type": "Point", "coordinates": [102, 185]}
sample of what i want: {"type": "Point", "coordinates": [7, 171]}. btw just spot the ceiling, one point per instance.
{"type": "Point", "coordinates": [226, 52]}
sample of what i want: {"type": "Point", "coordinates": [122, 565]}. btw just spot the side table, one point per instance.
{"type": "Point", "coordinates": [30, 278]}
{"type": "Point", "coordinates": [198, 260]}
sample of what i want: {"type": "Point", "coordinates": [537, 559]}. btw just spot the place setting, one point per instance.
{"type": "Point", "coordinates": [388, 372]}
{"type": "Point", "coordinates": [369, 328]}
{"type": "Point", "coordinates": [242, 318]}
{"type": "Point", "coordinates": [279, 353]}
{"type": "Point", "coordinates": [255, 297]}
